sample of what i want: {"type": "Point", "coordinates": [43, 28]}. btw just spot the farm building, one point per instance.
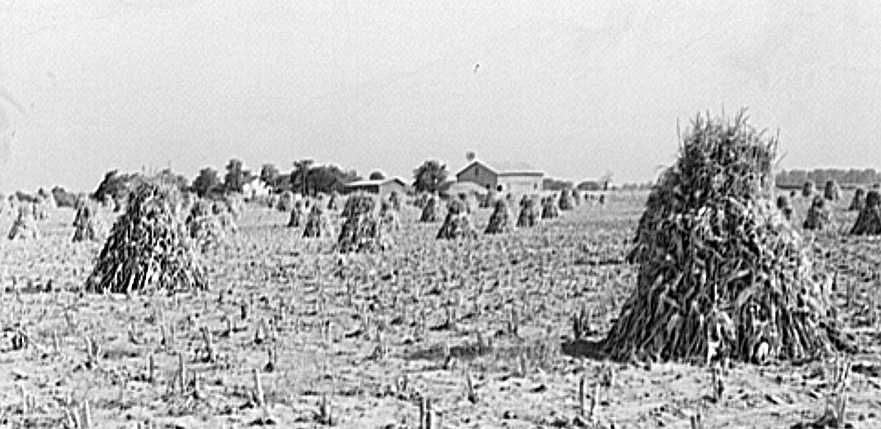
{"type": "Point", "coordinates": [381, 187]}
{"type": "Point", "coordinates": [453, 188]}
{"type": "Point", "coordinates": [513, 178]}
{"type": "Point", "coordinates": [255, 188]}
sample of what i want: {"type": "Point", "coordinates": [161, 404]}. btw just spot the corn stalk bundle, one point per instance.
{"type": "Point", "coordinates": [362, 230]}
{"type": "Point", "coordinates": [457, 223]}
{"type": "Point", "coordinates": [466, 202]}
{"type": "Point", "coordinates": [576, 197]}
{"type": "Point", "coordinates": [85, 225]}
{"type": "Point", "coordinates": [25, 225]}
{"type": "Point", "coordinates": [500, 220]}
{"type": "Point", "coordinates": [548, 208]}
{"type": "Point", "coordinates": [565, 202]}
{"type": "Point", "coordinates": [234, 205]}
{"type": "Point", "coordinates": [149, 247]}
{"type": "Point", "coordinates": [421, 200]}
{"type": "Point", "coordinates": [858, 201]}
{"type": "Point", "coordinates": [47, 199]}
{"type": "Point", "coordinates": [807, 190]}
{"type": "Point", "coordinates": [720, 272]}
{"type": "Point", "coordinates": [832, 191]}
{"type": "Point", "coordinates": [208, 232]}
{"type": "Point", "coordinates": [298, 215]}
{"type": "Point", "coordinates": [430, 210]}
{"type": "Point", "coordinates": [225, 217]}
{"type": "Point", "coordinates": [395, 200]}
{"type": "Point", "coordinates": [784, 206]}
{"type": "Point", "coordinates": [488, 200]}
{"type": "Point", "coordinates": [317, 224]}
{"type": "Point", "coordinates": [285, 201]}
{"type": "Point", "coordinates": [388, 217]}
{"type": "Point", "coordinates": [529, 213]}
{"type": "Point", "coordinates": [332, 202]}
{"type": "Point", "coordinates": [39, 208]}
{"type": "Point", "coordinates": [356, 204]}
{"type": "Point", "coordinates": [272, 201]}
{"type": "Point", "coordinates": [869, 220]}
{"type": "Point", "coordinates": [818, 216]}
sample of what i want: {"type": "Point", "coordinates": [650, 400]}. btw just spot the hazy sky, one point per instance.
{"type": "Point", "coordinates": [575, 88]}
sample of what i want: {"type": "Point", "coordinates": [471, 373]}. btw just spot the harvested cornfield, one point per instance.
{"type": "Point", "coordinates": [565, 201]}
{"type": "Point", "coordinates": [818, 216]}
{"type": "Point", "coordinates": [317, 223]}
{"type": "Point", "coordinates": [85, 224]}
{"type": "Point", "coordinates": [148, 248]}
{"type": "Point", "coordinates": [529, 213]}
{"type": "Point", "coordinates": [500, 221]}
{"type": "Point", "coordinates": [549, 208]}
{"type": "Point", "coordinates": [832, 191]}
{"type": "Point", "coordinates": [858, 201]}
{"type": "Point", "coordinates": [298, 215]}
{"type": "Point", "coordinates": [457, 223]}
{"type": "Point", "coordinates": [868, 222]}
{"type": "Point", "coordinates": [25, 225]}
{"type": "Point", "coordinates": [362, 230]}
{"type": "Point", "coordinates": [430, 210]}
{"type": "Point", "coordinates": [720, 273]}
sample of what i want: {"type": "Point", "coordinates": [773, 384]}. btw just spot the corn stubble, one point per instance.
{"type": "Point", "coordinates": [721, 274]}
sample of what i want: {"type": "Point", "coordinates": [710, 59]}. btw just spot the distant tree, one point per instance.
{"type": "Point", "coordinates": [207, 182]}
{"type": "Point", "coordinates": [269, 175]}
{"type": "Point", "coordinates": [551, 184]}
{"type": "Point", "coordinates": [116, 185]}
{"type": "Point", "coordinates": [167, 176]}
{"type": "Point", "coordinates": [300, 175]}
{"type": "Point", "coordinates": [63, 198]}
{"type": "Point", "coordinates": [868, 176]}
{"type": "Point", "coordinates": [329, 178]}
{"type": "Point", "coordinates": [593, 185]}
{"type": "Point", "coordinates": [376, 175]}
{"type": "Point", "coordinates": [236, 176]}
{"type": "Point", "coordinates": [470, 156]}
{"type": "Point", "coordinates": [429, 176]}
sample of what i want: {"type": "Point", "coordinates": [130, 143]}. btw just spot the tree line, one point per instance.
{"type": "Point", "coordinates": [797, 178]}
{"type": "Point", "coordinates": [307, 178]}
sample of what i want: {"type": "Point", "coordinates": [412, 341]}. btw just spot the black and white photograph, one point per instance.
{"type": "Point", "coordinates": [440, 214]}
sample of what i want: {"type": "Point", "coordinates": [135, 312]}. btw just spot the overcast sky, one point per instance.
{"type": "Point", "coordinates": [574, 88]}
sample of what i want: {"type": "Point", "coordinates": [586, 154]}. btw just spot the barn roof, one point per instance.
{"type": "Point", "coordinates": [505, 168]}
{"type": "Point", "coordinates": [376, 182]}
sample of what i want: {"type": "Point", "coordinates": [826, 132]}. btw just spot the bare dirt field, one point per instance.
{"type": "Point", "coordinates": [291, 334]}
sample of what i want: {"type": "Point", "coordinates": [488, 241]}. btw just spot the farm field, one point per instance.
{"type": "Point", "coordinates": [359, 341]}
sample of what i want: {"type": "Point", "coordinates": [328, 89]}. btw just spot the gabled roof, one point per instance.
{"type": "Point", "coordinates": [505, 168]}
{"type": "Point", "coordinates": [377, 182]}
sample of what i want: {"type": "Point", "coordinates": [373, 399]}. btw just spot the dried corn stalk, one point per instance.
{"type": "Point", "coordinates": [721, 273]}
{"type": "Point", "coordinates": [362, 230]}
{"type": "Point", "coordinates": [500, 221]}
{"type": "Point", "coordinates": [148, 248]}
